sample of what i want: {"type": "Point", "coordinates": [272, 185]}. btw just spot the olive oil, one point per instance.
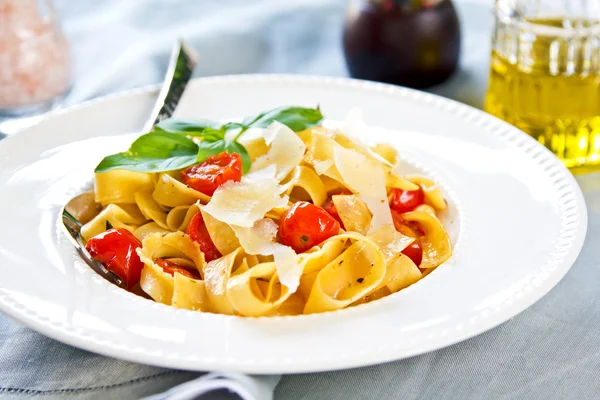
{"type": "Point", "coordinates": [549, 86]}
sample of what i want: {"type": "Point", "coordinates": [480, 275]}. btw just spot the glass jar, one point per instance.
{"type": "Point", "coordinates": [414, 43]}
{"type": "Point", "coordinates": [545, 75]}
{"type": "Point", "coordinates": [35, 63]}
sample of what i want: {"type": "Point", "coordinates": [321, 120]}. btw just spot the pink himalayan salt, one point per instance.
{"type": "Point", "coordinates": [34, 56]}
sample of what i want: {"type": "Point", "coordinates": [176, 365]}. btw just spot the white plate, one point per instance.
{"type": "Point", "coordinates": [518, 222]}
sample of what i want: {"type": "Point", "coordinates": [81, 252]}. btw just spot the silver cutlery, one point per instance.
{"type": "Point", "coordinates": [83, 208]}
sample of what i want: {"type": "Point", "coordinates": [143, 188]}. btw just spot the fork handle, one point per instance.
{"type": "Point", "coordinates": [181, 65]}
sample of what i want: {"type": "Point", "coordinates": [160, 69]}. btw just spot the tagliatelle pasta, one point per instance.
{"type": "Point", "coordinates": [275, 215]}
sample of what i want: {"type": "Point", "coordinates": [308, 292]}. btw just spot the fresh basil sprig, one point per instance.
{"type": "Point", "coordinates": [153, 152]}
{"type": "Point", "coordinates": [169, 145]}
{"type": "Point", "coordinates": [296, 118]}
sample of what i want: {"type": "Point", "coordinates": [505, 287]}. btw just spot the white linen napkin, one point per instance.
{"type": "Point", "coordinates": [243, 386]}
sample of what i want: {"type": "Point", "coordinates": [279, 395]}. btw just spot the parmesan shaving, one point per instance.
{"type": "Point", "coordinates": [367, 178]}
{"type": "Point", "coordinates": [322, 166]}
{"type": "Point", "coordinates": [271, 132]}
{"type": "Point", "coordinates": [354, 127]}
{"type": "Point", "coordinates": [260, 240]}
{"type": "Point", "coordinates": [285, 153]}
{"type": "Point", "coordinates": [243, 203]}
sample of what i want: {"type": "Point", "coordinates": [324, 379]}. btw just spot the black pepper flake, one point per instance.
{"type": "Point", "coordinates": [341, 262]}
{"type": "Point", "coordinates": [360, 280]}
{"type": "Point", "coordinates": [372, 265]}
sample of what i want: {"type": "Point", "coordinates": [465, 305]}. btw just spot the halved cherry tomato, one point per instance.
{"type": "Point", "coordinates": [305, 225]}
{"type": "Point", "coordinates": [406, 200]}
{"type": "Point", "coordinates": [116, 249]}
{"type": "Point", "coordinates": [331, 210]}
{"type": "Point", "coordinates": [170, 268]}
{"type": "Point", "coordinates": [414, 252]}
{"type": "Point", "coordinates": [199, 234]}
{"type": "Point", "coordinates": [211, 173]}
{"type": "Point", "coordinates": [330, 207]}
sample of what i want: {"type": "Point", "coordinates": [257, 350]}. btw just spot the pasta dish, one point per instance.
{"type": "Point", "coordinates": [278, 214]}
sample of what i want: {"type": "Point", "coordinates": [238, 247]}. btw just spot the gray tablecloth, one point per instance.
{"type": "Point", "coordinates": [552, 350]}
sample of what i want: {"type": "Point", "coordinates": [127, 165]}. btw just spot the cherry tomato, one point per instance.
{"type": "Point", "coordinates": [305, 225]}
{"type": "Point", "coordinates": [330, 207]}
{"type": "Point", "coordinates": [331, 210]}
{"type": "Point", "coordinates": [170, 268]}
{"type": "Point", "coordinates": [199, 234]}
{"type": "Point", "coordinates": [414, 252]}
{"type": "Point", "coordinates": [116, 249]}
{"type": "Point", "coordinates": [406, 200]}
{"type": "Point", "coordinates": [211, 173]}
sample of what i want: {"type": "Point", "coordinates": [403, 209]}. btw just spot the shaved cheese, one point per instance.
{"type": "Point", "coordinates": [322, 166]}
{"type": "Point", "coordinates": [243, 203]}
{"type": "Point", "coordinates": [271, 132]}
{"type": "Point", "coordinates": [390, 241]}
{"type": "Point", "coordinates": [367, 178]}
{"type": "Point", "coordinates": [253, 141]}
{"type": "Point", "coordinates": [260, 175]}
{"type": "Point", "coordinates": [354, 127]}
{"type": "Point", "coordinates": [286, 151]}
{"type": "Point", "coordinates": [260, 240]}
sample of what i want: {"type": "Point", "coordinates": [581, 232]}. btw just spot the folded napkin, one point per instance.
{"type": "Point", "coordinates": [34, 365]}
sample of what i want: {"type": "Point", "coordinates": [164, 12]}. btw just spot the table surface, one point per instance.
{"type": "Point", "coordinates": [551, 350]}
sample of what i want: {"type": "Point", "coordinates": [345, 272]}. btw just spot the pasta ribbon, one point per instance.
{"type": "Point", "coordinates": [120, 186]}
{"type": "Point", "coordinates": [433, 194]}
{"type": "Point", "coordinates": [151, 209]}
{"type": "Point", "coordinates": [353, 212]}
{"type": "Point", "coordinates": [178, 218]}
{"type": "Point", "coordinates": [216, 277]}
{"type": "Point", "coordinates": [257, 291]}
{"type": "Point", "coordinates": [264, 269]}
{"type": "Point", "coordinates": [189, 293]}
{"type": "Point", "coordinates": [357, 271]}
{"type": "Point", "coordinates": [177, 245]}
{"type": "Point", "coordinates": [387, 151]}
{"type": "Point", "coordinates": [115, 216]}
{"type": "Point", "coordinates": [305, 179]}
{"type": "Point", "coordinates": [435, 242]}
{"type": "Point", "coordinates": [172, 193]}
{"type": "Point", "coordinates": [151, 227]}
{"type": "Point", "coordinates": [400, 271]}
{"type": "Point", "coordinates": [157, 283]}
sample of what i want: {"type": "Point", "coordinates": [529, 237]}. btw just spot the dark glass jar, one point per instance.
{"type": "Point", "coordinates": [414, 43]}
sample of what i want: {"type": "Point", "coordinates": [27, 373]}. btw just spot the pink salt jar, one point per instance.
{"type": "Point", "coordinates": [35, 62]}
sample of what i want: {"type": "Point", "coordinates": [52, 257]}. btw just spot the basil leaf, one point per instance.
{"type": "Point", "coordinates": [153, 152]}
{"type": "Point", "coordinates": [188, 126]}
{"type": "Point", "coordinates": [212, 135]}
{"type": "Point", "coordinates": [207, 149]}
{"type": "Point", "coordinates": [296, 118]}
{"type": "Point", "coordinates": [236, 147]}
